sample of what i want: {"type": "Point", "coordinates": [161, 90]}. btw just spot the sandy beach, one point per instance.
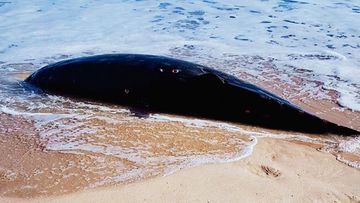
{"type": "Point", "coordinates": [56, 148]}
{"type": "Point", "coordinates": [277, 171]}
{"type": "Point", "coordinates": [283, 166]}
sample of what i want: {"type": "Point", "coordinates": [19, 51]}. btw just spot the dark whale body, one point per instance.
{"type": "Point", "coordinates": [162, 84]}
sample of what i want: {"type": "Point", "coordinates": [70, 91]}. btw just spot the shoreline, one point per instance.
{"type": "Point", "coordinates": [68, 175]}
{"type": "Point", "coordinates": [269, 174]}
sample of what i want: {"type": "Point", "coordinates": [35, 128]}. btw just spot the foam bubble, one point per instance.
{"type": "Point", "coordinates": [270, 40]}
{"type": "Point", "coordinates": [351, 145]}
{"type": "Point", "coordinates": [286, 31]}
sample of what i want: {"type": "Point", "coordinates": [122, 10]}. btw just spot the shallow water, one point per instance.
{"type": "Point", "coordinates": [307, 52]}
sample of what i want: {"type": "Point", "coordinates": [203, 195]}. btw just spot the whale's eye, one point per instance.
{"type": "Point", "coordinates": [175, 71]}
{"type": "Point", "coordinates": [127, 91]}
{"type": "Point", "coordinates": [161, 70]}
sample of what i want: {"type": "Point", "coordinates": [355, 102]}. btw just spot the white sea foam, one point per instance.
{"type": "Point", "coordinates": [42, 118]}
{"type": "Point", "coordinates": [289, 31]}
{"type": "Point", "coordinates": [292, 35]}
{"type": "Point", "coordinates": [351, 145]}
{"type": "Point", "coordinates": [355, 164]}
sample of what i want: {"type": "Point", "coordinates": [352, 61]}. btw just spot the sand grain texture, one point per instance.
{"type": "Point", "coordinates": [287, 172]}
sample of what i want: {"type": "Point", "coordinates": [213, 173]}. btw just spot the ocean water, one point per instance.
{"type": "Point", "coordinates": [311, 46]}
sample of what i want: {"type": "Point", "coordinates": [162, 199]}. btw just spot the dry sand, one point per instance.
{"type": "Point", "coordinates": [277, 171]}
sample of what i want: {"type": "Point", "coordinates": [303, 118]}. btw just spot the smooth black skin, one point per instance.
{"type": "Point", "coordinates": [162, 84]}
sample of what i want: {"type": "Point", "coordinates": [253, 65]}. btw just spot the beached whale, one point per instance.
{"type": "Point", "coordinates": [162, 84]}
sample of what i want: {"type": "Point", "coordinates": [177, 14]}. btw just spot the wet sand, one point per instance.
{"type": "Point", "coordinates": [64, 161]}
{"type": "Point", "coordinates": [278, 170]}
{"type": "Point", "coordinates": [65, 150]}
{"type": "Point", "coordinates": [281, 169]}
{"type": "Point", "coordinates": [30, 168]}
